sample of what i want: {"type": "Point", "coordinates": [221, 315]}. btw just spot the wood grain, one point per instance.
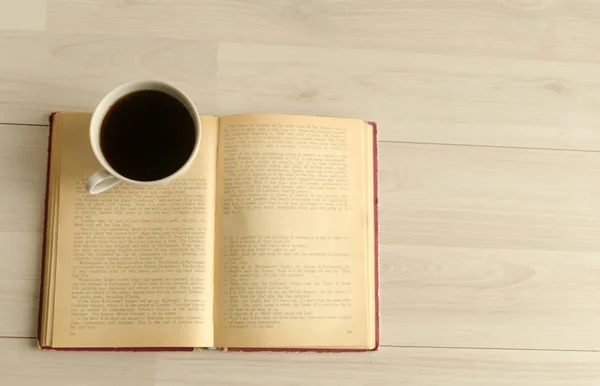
{"type": "Point", "coordinates": [481, 298]}
{"type": "Point", "coordinates": [389, 366]}
{"type": "Point", "coordinates": [415, 97]}
{"type": "Point", "coordinates": [489, 247]}
{"type": "Point", "coordinates": [418, 97]}
{"type": "Point", "coordinates": [27, 15]}
{"type": "Point", "coordinates": [41, 73]}
{"type": "Point", "coordinates": [23, 174]}
{"type": "Point", "coordinates": [547, 30]}
{"type": "Point", "coordinates": [477, 197]}
{"type": "Point", "coordinates": [25, 365]}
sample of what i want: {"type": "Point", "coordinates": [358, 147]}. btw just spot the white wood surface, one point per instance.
{"type": "Point", "coordinates": [25, 365]}
{"type": "Point", "coordinates": [489, 116]}
{"type": "Point", "coordinates": [415, 97]}
{"type": "Point", "coordinates": [26, 15]}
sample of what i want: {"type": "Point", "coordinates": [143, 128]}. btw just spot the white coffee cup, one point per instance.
{"type": "Point", "coordinates": [107, 177]}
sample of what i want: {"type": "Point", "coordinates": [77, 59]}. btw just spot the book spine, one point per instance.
{"type": "Point", "coordinates": [44, 228]}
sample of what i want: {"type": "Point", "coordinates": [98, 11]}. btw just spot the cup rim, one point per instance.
{"type": "Point", "coordinates": [125, 89]}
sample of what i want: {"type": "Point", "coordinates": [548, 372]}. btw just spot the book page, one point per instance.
{"type": "Point", "coordinates": [134, 264]}
{"type": "Point", "coordinates": [294, 263]}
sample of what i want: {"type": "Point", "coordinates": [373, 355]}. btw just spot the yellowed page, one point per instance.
{"type": "Point", "coordinates": [293, 264]}
{"type": "Point", "coordinates": [372, 252]}
{"type": "Point", "coordinates": [134, 265]}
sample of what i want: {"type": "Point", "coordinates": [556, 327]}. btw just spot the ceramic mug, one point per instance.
{"type": "Point", "coordinates": [108, 177]}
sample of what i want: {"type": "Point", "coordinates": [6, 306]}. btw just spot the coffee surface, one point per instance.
{"type": "Point", "coordinates": [147, 135]}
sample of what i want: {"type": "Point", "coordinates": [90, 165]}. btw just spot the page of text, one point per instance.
{"type": "Point", "coordinates": [292, 265]}
{"type": "Point", "coordinates": [135, 264]}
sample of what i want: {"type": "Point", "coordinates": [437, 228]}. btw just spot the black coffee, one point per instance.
{"type": "Point", "coordinates": [147, 135]}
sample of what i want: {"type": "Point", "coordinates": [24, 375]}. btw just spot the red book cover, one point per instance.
{"type": "Point", "coordinates": [376, 255]}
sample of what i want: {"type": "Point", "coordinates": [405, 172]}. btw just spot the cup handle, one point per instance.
{"type": "Point", "coordinates": [100, 181]}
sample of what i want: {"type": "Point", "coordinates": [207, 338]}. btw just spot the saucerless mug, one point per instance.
{"type": "Point", "coordinates": [145, 133]}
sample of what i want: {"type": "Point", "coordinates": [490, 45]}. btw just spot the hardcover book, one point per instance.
{"type": "Point", "coordinates": [268, 242]}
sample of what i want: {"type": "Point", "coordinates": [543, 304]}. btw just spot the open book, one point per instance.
{"type": "Point", "coordinates": [269, 241]}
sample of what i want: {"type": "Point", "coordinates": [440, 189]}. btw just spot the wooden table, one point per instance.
{"type": "Point", "coordinates": [489, 115]}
